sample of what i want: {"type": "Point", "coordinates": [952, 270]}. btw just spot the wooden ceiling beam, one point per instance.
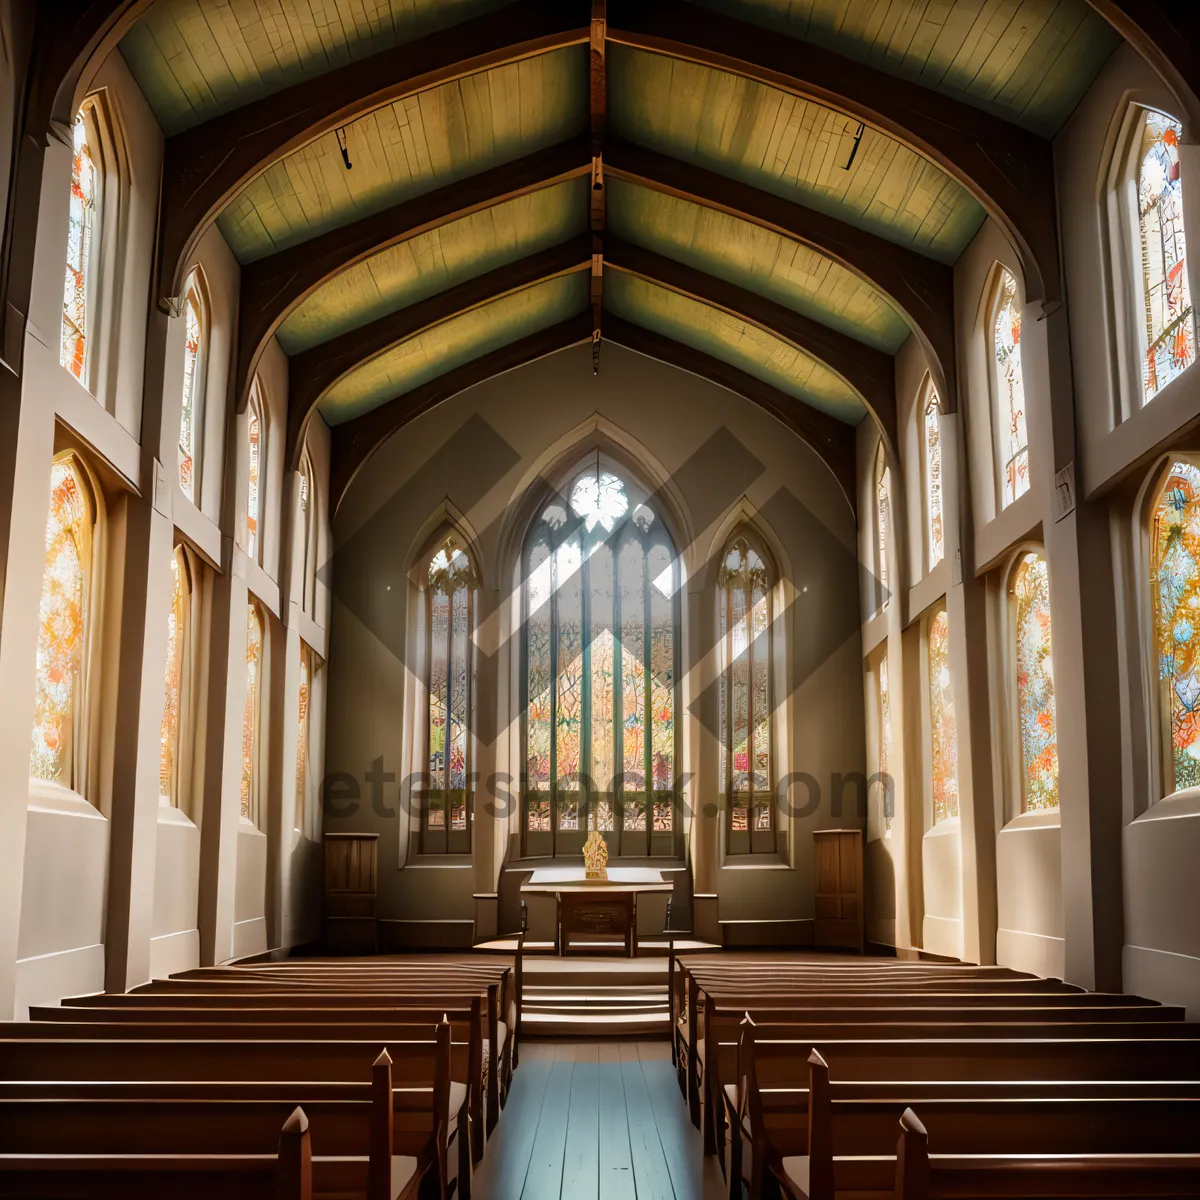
{"type": "Point", "coordinates": [204, 168]}
{"type": "Point", "coordinates": [870, 372]}
{"type": "Point", "coordinates": [1009, 170]}
{"type": "Point", "coordinates": [922, 289]}
{"type": "Point", "coordinates": [313, 372]}
{"type": "Point", "coordinates": [832, 440]}
{"type": "Point", "coordinates": [274, 286]}
{"type": "Point", "coordinates": [355, 441]}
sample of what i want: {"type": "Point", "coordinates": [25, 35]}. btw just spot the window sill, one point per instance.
{"type": "Point", "coordinates": [455, 862]}
{"type": "Point", "coordinates": [48, 797]}
{"type": "Point", "coordinates": [246, 826]}
{"type": "Point", "coordinates": [1178, 804]}
{"type": "Point", "coordinates": [1049, 818]}
{"type": "Point", "coordinates": [948, 828]}
{"type": "Point", "coordinates": [755, 862]}
{"type": "Point", "coordinates": [168, 814]}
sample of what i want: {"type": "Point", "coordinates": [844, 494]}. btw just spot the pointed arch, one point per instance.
{"type": "Point", "coordinates": [933, 500]}
{"type": "Point", "coordinates": [1003, 339]}
{"type": "Point", "coordinates": [256, 471]}
{"type": "Point", "coordinates": [883, 528]}
{"type": "Point", "coordinates": [83, 235]}
{"type": "Point", "coordinates": [197, 330]}
{"type": "Point", "coordinates": [252, 767]}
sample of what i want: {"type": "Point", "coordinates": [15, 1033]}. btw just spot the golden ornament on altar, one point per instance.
{"type": "Point", "coordinates": [595, 857]}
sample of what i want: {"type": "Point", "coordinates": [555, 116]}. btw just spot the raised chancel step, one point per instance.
{"type": "Point", "coordinates": [582, 997]}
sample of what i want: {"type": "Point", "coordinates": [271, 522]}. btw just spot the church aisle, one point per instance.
{"type": "Point", "coordinates": [596, 1119]}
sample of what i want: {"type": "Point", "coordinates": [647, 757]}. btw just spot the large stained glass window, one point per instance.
{"type": "Point", "coordinates": [1035, 684]}
{"type": "Point", "coordinates": [942, 728]}
{"type": "Point", "coordinates": [168, 753]}
{"type": "Point", "coordinates": [62, 625]}
{"type": "Point", "coordinates": [251, 712]}
{"type": "Point", "coordinates": [304, 700]}
{"type": "Point", "coordinates": [1010, 388]}
{"type": "Point", "coordinates": [452, 599]}
{"type": "Point", "coordinates": [81, 244]}
{"type": "Point", "coordinates": [1169, 321]}
{"type": "Point", "coordinates": [193, 336]}
{"type": "Point", "coordinates": [885, 783]}
{"type": "Point", "coordinates": [600, 662]}
{"type": "Point", "coordinates": [934, 527]}
{"type": "Point", "coordinates": [744, 628]}
{"type": "Point", "coordinates": [1175, 580]}
{"type": "Point", "coordinates": [307, 533]}
{"type": "Point", "coordinates": [883, 480]}
{"type": "Point", "coordinates": [254, 477]}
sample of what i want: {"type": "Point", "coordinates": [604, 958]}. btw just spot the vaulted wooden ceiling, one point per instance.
{"type": "Point", "coordinates": [767, 192]}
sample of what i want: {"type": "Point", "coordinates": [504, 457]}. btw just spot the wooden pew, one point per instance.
{"type": "Point", "coordinates": [285, 1174]}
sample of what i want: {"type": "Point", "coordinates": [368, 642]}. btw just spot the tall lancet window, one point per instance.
{"type": "Point", "coordinates": [63, 627]}
{"type": "Point", "coordinates": [303, 738]}
{"type": "Point", "coordinates": [601, 647]}
{"type": "Point", "coordinates": [252, 714]}
{"type": "Point", "coordinates": [1169, 321]}
{"type": "Point", "coordinates": [1175, 583]}
{"type": "Point", "coordinates": [943, 729]}
{"type": "Point", "coordinates": [883, 482]}
{"type": "Point", "coordinates": [887, 786]}
{"type": "Point", "coordinates": [1037, 726]}
{"type": "Point", "coordinates": [935, 533]}
{"type": "Point", "coordinates": [82, 234]}
{"type": "Point", "coordinates": [194, 335]}
{"type": "Point", "coordinates": [452, 597]}
{"type": "Point", "coordinates": [254, 477]}
{"type": "Point", "coordinates": [1009, 387]}
{"type": "Point", "coordinates": [744, 632]}
{"type": "Point", "coordinates": [168, 754]}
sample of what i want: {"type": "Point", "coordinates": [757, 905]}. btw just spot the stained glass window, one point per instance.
{"type": "Point", "coordinates": [1035, 684]}
{"type": "Point", "coordinates": [254, 433]}
{"type": "Point", "coordinates": [942, 727]}
{"type": "Point", "coordinates": [882, 506]}
{"type": "Point", "coordinates": [935, 530]}
{"type": "Point", "coordinates": [452, 600]}
{"type": "Point", "coordinates": [81, 243]}
{"type": "Point", "coordinates": [168, 754]}
{"type": "Point", "coordinates": [885, 747]}
{"type": "Point", "coordinates": [600, 644]}
{"type": "Point", "coordinates": [193, 333]}
{"type": "Point", "coordinates": [1175, 581]}
{"type": "Point", "coordinates": [302, 736]}
{"type": "Point", "coordinates": [306, 533]}
{"type": "Point", "coordinates": [62, 625]}
{"type": "Point", "coordinates": [250, 715]}
{"type": "Point", "coordinates": [744, 623]}
{"type": "Point", "coordinates": [1010, 387]}
{"type": "Point", "coordinates": [1169, 321]}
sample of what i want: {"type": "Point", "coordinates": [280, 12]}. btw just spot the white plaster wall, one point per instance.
{"type": "Point", "coordinates": [1029, 894]}
{"type": "Point", "coordinates": [941, 874]}
{"type": "Point", "coordinates": [175, 936]}
{"type": "Point", "coordinates": [249, 897]}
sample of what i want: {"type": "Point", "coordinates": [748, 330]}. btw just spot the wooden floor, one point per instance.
{"type": "Point", "coordinates": [601, 1120]}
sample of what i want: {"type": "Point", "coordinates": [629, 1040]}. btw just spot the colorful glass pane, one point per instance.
{"type": "Point", "coordinates": [568, 716]}
{"type": "Point", "coordinates": [302, 737]}
{"type": "Point", "coordinates": [933, 481]}
{"type": "Point", "coordinates": [633, 670]}
{"type": "Point", "coordinates": [1176, 596]}
{"type": "Point", "coordinates": [882, 487]}
{"type": "Point", "coordinates": [660, 569]}
{"type": "Point", "coordinates": [1035, 684]}
{"type": "Point", "coordinates": [1010, 387]}
{"type": "Point", "coordinates": [169, 729]}
{"type": "Point", "coordinates": [599, 499]}
{"type": "Point", "coordinates": [81, 235]}
{"type": "Point", "coordinates": [943, 730]}
{"type": "Point", "coordinates": [601, 653]}
{"type": "Point", "coordinates": [250, 713]}
{"type": "Point", "coordinates": [253, 481]}
{"type": "Point", "coordinates": [62, 616]}
{"type": "Point", "coordinates": [539, 700]}
{"type": "Point", "coordinates": [191, 382]}
{"type": "Point", "coordinates": [885, 747]}
{"type": "Point", "coordinates": [439, 633]}
{"type": "Point", "coordinates": [1169, 319]}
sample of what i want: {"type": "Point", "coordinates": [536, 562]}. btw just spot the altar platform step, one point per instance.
{"type": "Point", "coordinates": [647, 947]}
{"type": "Point", "coordinates": [594, 997]}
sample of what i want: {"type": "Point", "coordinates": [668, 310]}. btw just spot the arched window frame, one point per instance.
{"type": "Point", "coordinates": [178, 715]}
{"type": "Point", "coordinates": [193, 386]}
{"type": "Point", "coordinates": [1018, 790]}
{"type": "Point", "coordinates": [447, 814]}
{"type": "Point", "coordinates": [881, 793]}
{"type": "Point", "coordinates": [933, 476]}
{"type": "Point", "coordinates": [257, 439]}
{"type": "Point", "coordinates": [77, 770]}
{"type": "Point", "coordinates": [305, 784]}
{"type": "Point", "coordinates": [306, 532]}
{"type": "Point", "coordinates": [751, 823]}
{"type": "Point", "coordinates": [637, 828]}
{"type": "Point", "coordinates": [1010, 405]}
{"type": "Point", "coordinates": [940, 722]}
{"type": "Point", "coordinates": [252, 725]}
{"type": "Point", "coordinates": [77, 347]}
{"type": "Point", "coordinates": [883, 528]}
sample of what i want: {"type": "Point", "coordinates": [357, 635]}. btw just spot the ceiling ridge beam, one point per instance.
{"type": "Point", "coordinates": [355, 441]}
{"type": "Point", "coordinates": [273, 287]}
{"type": "Point", "coordinates": [833, 440]}
{"type": "Point", "coordinates": [205, 167]}
{"type": "Point", "coordinates": [921, 288]}
{"type": "Point", "coordinates": [1009, 170]}
{"type": "Point", "coordinates": [870, 372]}
{"type": "Point", "coordinates": [313, 372]}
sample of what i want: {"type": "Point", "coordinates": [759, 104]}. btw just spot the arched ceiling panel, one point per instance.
{"type": "Point", "coordinates": [1028, 62]}
{"type": "Point", "coordinates": [453, 343]}
{"type": "Point", "coordinates": [735, 342]}
{"type": "Point", "coordinates": [415, 145]}
{"type": "Point", "coordinates": [432, 262]}
{"type": "Point", "coordinates": [789, 146]}
{"type": "Point", "coordinates": [759, 259]}
{"type": "Point", "coordinates": [197, 59]}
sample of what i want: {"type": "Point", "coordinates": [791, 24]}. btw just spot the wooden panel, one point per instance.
{"type": "Point", "coordinates": [437, 260]}
{"type": "Point", "coordinates": [792, 147]}
{"type": "Point", "coordinates": [412, 146]}
{"type": "Point", "coordinates": [744, 346]}
{"type": "Point", "coordinates": [194, 60]}
{"type": "Point", "coordinates": [838, 887]}
{"type": "Point", "coordinates": [459, 340]}
{"type": "Point", "coordinates": [1028, 61]}
{"type": "Point", "coordinates": [756, 258]}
